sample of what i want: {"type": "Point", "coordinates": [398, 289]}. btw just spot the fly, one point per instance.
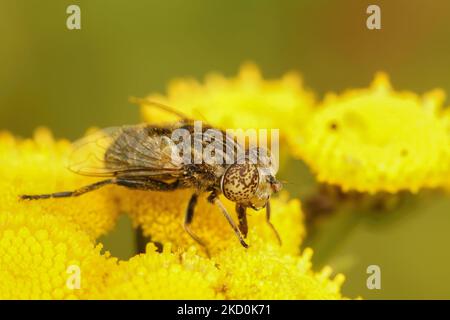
{"type": "Point", "coordinates": [146, 157]}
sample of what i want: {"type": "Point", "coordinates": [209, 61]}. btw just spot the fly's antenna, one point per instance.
{"type": "Point", "coordinates": [164, 107]}
{"type": "Point", "coordinates": [159, 105]}
{"type": "Point", "coordinates": [286, 182]}
{"type": "Point", "coordinates": [200, 114]}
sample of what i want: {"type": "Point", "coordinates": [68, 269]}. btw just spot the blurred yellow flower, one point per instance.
{"type": "Point", "coordinates": [247, 101]}
{"type": "Point", "coordinates": [377, 139]}
{"type": "Point", "coordinates": [41, 253]}
{"type": "Point", "coordinates": [446, 119]}
{"type": "Point", "coordinates": [38, 165]}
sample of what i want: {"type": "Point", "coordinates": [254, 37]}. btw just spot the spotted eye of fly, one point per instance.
{"type": "Point", "coordinates": [240, 182]}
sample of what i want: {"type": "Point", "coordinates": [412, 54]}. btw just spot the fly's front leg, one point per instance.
{"type": "Point", "coordinates": [215, 200]}
{"type": "Point", "coordinates": [188, 220]}
{"type": "Point", "coordinates": [270, 223]}
{"type": "Point", "coordinates": [242, 216]}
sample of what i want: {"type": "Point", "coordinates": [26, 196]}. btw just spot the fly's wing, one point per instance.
{"type": "Point", "coordinates": [138, 150]}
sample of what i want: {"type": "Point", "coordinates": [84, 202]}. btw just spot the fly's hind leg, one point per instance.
{"type": "Point", "coordinates": [147, 184]}
{"type": "Point", "coordinates": [66, 194]}
{"type": "Point", "coordinates": [140, 184]}
{"type": "Point", "coordinates": [188, 220]}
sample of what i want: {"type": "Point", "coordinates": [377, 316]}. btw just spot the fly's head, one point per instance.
{"type": "Point", "coordinates": [251, 182]}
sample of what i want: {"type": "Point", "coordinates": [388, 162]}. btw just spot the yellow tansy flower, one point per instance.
{"type": "Point", "coordinates": [38, 165]}
{"type": "Point", "coordinates": [161, 214]}
{"type": "Point", "coordinates": [377, 139]}
{"type": "Point", "coordinates": [164, 275]}
{"type": "Point", "coordinates": [261, 272]}
{"type": "Point", "coordinates": [247, 101]}
{"type": "Point", "coordinates": [41, 253]}
{"type": "Point", "coordinates": [40, 240]}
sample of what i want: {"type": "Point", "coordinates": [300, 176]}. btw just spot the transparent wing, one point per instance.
{"type": "Point", "coordinates": [139, 150]}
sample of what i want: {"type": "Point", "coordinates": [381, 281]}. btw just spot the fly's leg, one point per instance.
{"type": "Point", "coordinates": [66, 194]}
{"type": "Point", "coordinates": [242, 216]}
{"type": "Point", "coordinates": [149, 184]}
{"type": "Point", "coordinates": [215, 200]}
{"type": "Point", "coordinates": [270, 223]}
{"type": "Point", "coordinates": [188, 220]}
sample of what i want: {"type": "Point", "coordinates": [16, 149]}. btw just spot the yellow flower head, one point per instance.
{"type": "Point", "coordinates": [260, 272]}
{"type": "Point", "coordinates": [164, 275]}
{"type": "Point", "coordinates": [34, 166]}
{"type": "Point", "coordinates": [42, 255]}
{"type": "Point", "coordinates": [43, 244]}
{"type": "Point", "coordinates": [161, 215]}
{"type": "Point", "coordinates": [247, 101]}
{"type": "Point", "coordinates": [377, 139]}
{"type": "Point", "coordinates": [263, 271]}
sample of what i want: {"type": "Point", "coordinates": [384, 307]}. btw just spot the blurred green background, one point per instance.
{"type": "Point", "coordinates": [71, 80]}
